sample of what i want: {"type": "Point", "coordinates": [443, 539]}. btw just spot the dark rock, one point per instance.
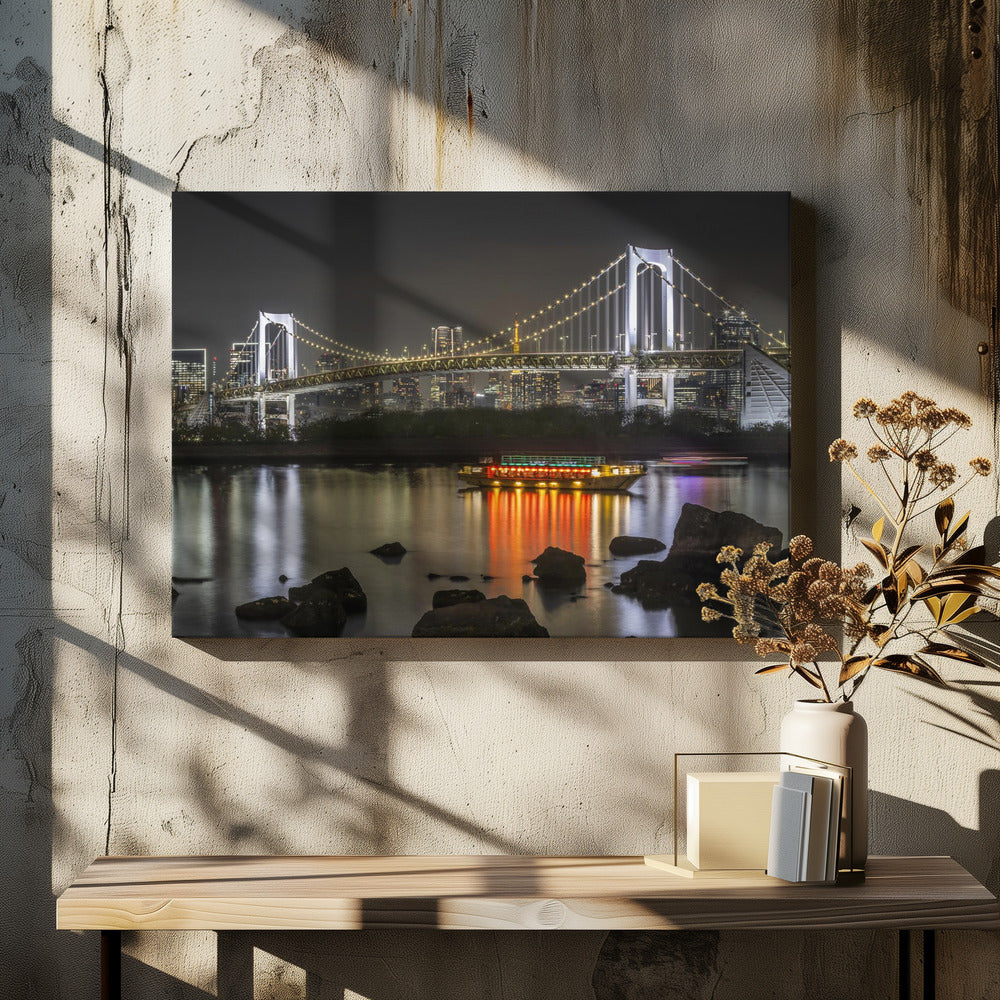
{"type": "Point", "coordinates": [317, 617]}
{"type": "Point", "coordinates": [174, 594]}
{"type": "Point", "coordinates": [264, 609]}
{"type": "Point", "coordinates": [344, 584]}
{"type": "Point", "coordinates": [446, 598]}
{"type": "Point", "coordinates": [634, 545]}
{"type": "Point", "coordinates": [458, 578]}
{"type": "Point", "coordinates": [191, 579]}
{"type": "Point", "coordinates": [527, 578]}
{"type": "Point", "coordinates": [502, 617]}
{"type": "Point", "coordinates": [698, 536]}
{"type": "Point", "coordinates": [703, 532]}
{"type": "Point", "coordinates": [559, 568]}
{"type": "Point", "coordinates": [391, 550]}
{"type": "Point", "coordinates": [282, 578]}
{"type": "Point", "coordinates": [311, 593]}
{"type": "Point", "coordinates": [609, 585]}
{"type": "Point", "coordinates": [486, 577]}
{"type": "Point", "coordinates": [434, 576]}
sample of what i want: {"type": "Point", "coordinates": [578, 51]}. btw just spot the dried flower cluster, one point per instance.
{"type": "Point", "coordinates": [798, 606]}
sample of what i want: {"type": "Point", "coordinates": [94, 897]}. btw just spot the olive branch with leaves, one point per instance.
{"type": "Point", "coordinates": [801, 605]}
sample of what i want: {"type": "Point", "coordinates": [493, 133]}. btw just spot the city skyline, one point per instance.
{"type": "Point", "coordinates": [381, 271]}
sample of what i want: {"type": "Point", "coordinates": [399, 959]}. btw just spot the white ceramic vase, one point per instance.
{"type": "Point", "coordinates": [833, 732]}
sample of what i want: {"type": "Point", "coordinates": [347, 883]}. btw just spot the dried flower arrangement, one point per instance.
{"type": "Point", "coordinates": [799, 606]}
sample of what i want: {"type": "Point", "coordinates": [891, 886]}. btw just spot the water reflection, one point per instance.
{"type": "Point", "coordinates": [240, 529]}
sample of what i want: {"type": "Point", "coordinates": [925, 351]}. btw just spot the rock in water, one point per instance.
{"type": "Point", "coordinates": [559, 568]}
{"type": "Point", "coordinates": [317, 617]}
{"type": "Point", "coordinates": [391, 550]}
{"type": "Point", "coordinates": [264, 609]}
{"type": "Point", "coordinates": [499, 617]}
{"type": "Point", "coordinates": [446, 598]}
{"type": "Point", "coordinates": [344, 584]}
{"type": "Point", "coordinates": [698, 536]}
{"type": "Point", "coordinates": [634, 545]}
{"type": "Point", "coordinates": [701, 531]}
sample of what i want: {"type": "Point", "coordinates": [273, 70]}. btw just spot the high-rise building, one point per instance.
{"type": "Point", "coordinates": [449, 391]}
{"type": "Point", "coordinates": [603, 395]}
{"type": "Point", "coordinates": [532, 389]}
{"type": "Point", "coordinates": [498, 386]}
{"type": "Point", "coordinates": [722, 388]}
{"type": "Point", "coordinates": [733, 328]}
{"type": "Point", "coordinates": [370, 395]}
{"type": "Point", "coordinates": [406, 393]}
{"type": "Point", "coordinates": [188, 375]}
{"type": "Point", "coordinates": [446, 340]}
{"type": "Point", "coordinates": [242, 365]}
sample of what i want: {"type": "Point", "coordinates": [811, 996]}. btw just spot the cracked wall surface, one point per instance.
{"type": "Point", "coordinates": [118, 738]}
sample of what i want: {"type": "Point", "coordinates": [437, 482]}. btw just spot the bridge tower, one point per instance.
{"type": "Point", "coordinates": [268, 357]}
{"type": "Point", "coordinates": [663, 261]}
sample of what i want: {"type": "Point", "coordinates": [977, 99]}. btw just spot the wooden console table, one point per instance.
{"type": "Point", "coordinates": [495, 892]}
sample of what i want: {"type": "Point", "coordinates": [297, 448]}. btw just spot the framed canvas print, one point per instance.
{"type": "Point", "coordinates": [473, 414]}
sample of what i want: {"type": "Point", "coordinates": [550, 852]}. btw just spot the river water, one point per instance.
{"type": "Point", "coordinates": [237, 529]}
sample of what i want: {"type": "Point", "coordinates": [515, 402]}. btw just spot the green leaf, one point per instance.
{"type": "Point", "coordinates": [877, 529]}
{"type": "Point", "coordinates": [911, 665]}
{"type": "Point", "coordinates": [943, 514]}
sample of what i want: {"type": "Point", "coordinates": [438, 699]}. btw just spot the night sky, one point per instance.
{"type": "Point", "coordinates": [379, 270]}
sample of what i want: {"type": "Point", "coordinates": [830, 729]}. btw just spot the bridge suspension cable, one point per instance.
{"type": "Point", "coordinates": [236, 358]}
{"type": "Point", "coordinates": [591, 317]}
{"type": "Point", "coordinates": [778, 341]}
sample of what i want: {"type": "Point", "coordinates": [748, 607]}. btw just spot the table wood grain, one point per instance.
{"type": "Point", "coordinates": [464, 892]}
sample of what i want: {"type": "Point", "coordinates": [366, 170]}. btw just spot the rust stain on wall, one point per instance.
{"type": "Point", "coordinates": [935, 64]}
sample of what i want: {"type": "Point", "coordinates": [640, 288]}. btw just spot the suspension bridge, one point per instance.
{"type": "Point", "coordinates": [644, 314]}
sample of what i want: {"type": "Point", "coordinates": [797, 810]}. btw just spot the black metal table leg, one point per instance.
{"type": "Point", "coordinates": [111, 965]}
{"type": "Point", "coordinates": [904, 965]}
{"type": "Point", "coordinates": [929, 970]}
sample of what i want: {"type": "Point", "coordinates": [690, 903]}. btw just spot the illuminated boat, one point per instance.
{"type": "Point", "coordinates": [553, 472]}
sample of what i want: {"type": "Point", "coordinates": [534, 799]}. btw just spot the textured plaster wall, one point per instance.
{"type": "Point", "coordinates": [118, 739]}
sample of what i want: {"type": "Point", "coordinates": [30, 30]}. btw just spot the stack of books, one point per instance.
{"type": "Point", "coordinates": [805, 825]}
